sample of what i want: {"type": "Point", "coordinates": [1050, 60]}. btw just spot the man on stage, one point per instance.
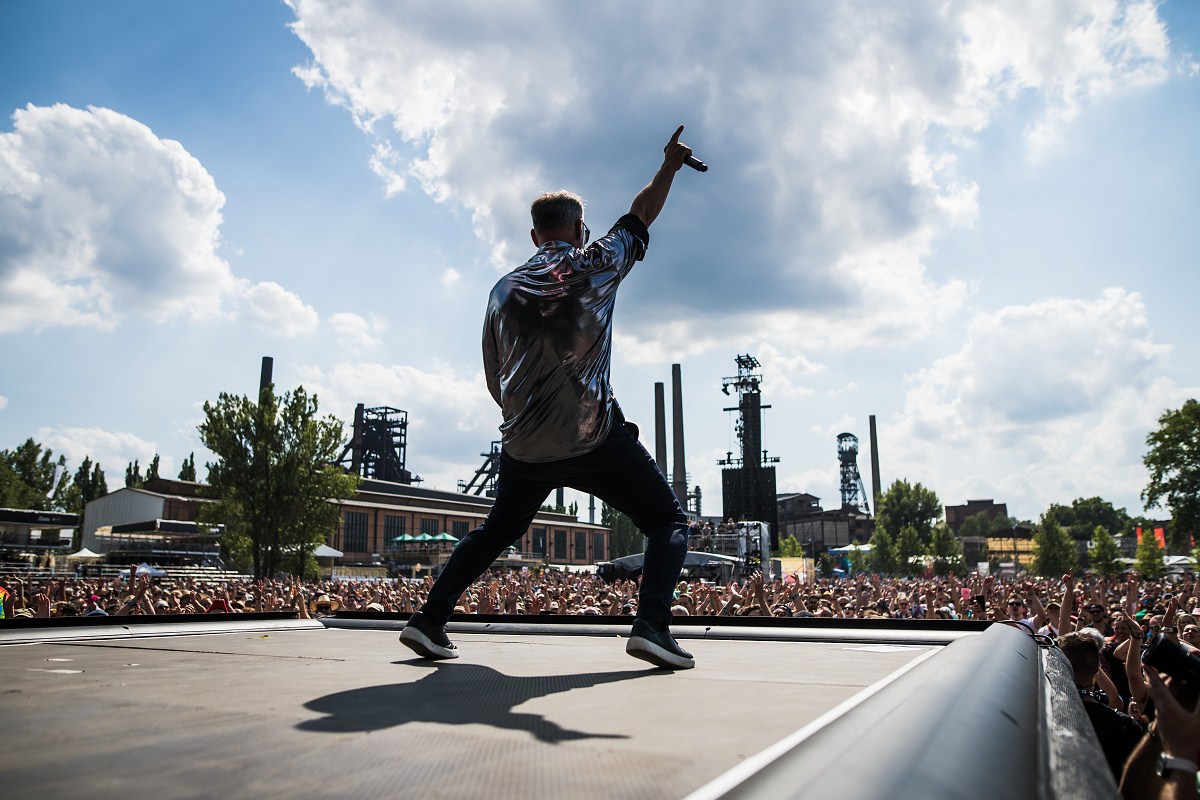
{"type": "Point", "coordinates": [547, 344]}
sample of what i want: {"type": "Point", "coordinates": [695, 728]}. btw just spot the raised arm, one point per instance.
{"type": "Point", "coordinates": [651, 199]}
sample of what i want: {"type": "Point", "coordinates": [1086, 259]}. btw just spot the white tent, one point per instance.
{"type": "Point", "coordinates": [325, 551]}
{"type": "Point", "coordinates": [85, 553]}
{"type": "Point", "coordinates": [862, 548]}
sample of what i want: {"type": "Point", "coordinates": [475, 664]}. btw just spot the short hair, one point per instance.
{"type": "Point", "coordinates": [556, 211]}
{"type": "Point", "coordinates": [1081, 650]}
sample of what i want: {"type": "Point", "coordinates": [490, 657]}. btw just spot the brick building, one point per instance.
{"type": "Point", "coordinates": [385, 523]}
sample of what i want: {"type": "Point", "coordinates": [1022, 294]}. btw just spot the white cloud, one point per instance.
{"type": "Point", "coordinates": [100, 219]}
{"type": "Point", "coordinates": [450, 414]}
{"type": "Point", "coordinates": [3, 402]}
{"type": "Point", "coordinates": [356, 333]}
{"type": "Point", "coordinates": [451, 277]}
{"type": "Point", "coordinates": [824, 199]}
{"type": "Point", "coordinates": [1070, 56]}
{"type": "Point", "coordinates": [1058, 395]}
{"type": "Point", "coordinates": [276, 311]}
{"type": "Point", "coordinates": [113, 451]}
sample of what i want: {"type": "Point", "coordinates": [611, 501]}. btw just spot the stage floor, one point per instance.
{"type": "Point", "coordinates": [314, 712]}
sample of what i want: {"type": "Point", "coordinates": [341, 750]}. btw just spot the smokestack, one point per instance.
{"type": "Point", "coordinates": [876, 490]}
{"type": "Point", "coordinates": [660, 427]}
{"type": "Point", "coordinates": [679, 474]}
{"type": "Point", "coordinates": [356, 440]}
{"type": "Point", "coordinates": [264, 377]}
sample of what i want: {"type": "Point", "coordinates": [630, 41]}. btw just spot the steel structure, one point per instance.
{"type": "Point", "coordinates": [854, 494]}
{"type": "Point", "coordinates": [379, 445]}
{"type": "Point", "coordinates": [484, 480]}
{"type": "Point", "coordinates": [748, 483]}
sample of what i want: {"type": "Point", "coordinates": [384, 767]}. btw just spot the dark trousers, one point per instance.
{"type": "Point", "coordinates": [622, 474]}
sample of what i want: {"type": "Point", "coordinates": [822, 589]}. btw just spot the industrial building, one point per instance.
{"type": "Point", "coordinates": [382, 525]}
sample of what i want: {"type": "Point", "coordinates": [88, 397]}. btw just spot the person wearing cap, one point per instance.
{"type": "Point", "coordinates": [93, 609]}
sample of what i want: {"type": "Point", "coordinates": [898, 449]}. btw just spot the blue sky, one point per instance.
{"type": "Point", "coordinates": [973, 220]}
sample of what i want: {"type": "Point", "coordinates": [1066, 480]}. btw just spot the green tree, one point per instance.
{"type": "Point", "coordinates": [858, 561]}
{"type": "Point", "coordinates": [274, 476]}
{"type": "Point", "coordinates": [1053, 549]}
{"type": "Point", "coordinates": [85, 485]}
{"type": "Point", "coordinates": [883, 552]}
{"type": "Point", "coordinates": [908, 504]}
{"type": "Point", "coordinates": [90, 480]}
{"type": "Point", "coordinates": [1149, 556]}
{"type": "Point", "coordinates": [1003, 523]}
{"type": "Point", "coordinates": [187, 472]}
{"type": "Point", "coordinates": [909, 548]}
{"type": "Point", "coordinates": [1173, 460]}
{"type": "Point", "coordinates": [1104, 554]}
{"type": "Point", "coordinates": [31, 478]}
{"type": "Point", "coordinates": [1085, 514]}
{"type": "Point", "coordinates": [946, 551]}
{"type": "Point", "coordinates": [625, 539]}
{"type": "Point", "coordinates": [790, 548]}
{"type": "Point", "coordinates": [152, 470]}
{"type": "Point", "coordinates": [976, 525]}
{"type": "Point", "coordinates": [133, 476]}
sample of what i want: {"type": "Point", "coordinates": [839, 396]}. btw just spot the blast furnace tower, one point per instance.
{"type": "Point", "coordinates": [379, 445]}
{"type": "Point", "coordinates": [748, 483]}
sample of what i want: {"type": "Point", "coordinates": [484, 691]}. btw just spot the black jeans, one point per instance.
{"type": "Point", "coordinates": [621, 473]}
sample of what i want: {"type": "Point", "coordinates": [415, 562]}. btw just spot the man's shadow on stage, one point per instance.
{"type": "Point", "coordinates": [459, 694]}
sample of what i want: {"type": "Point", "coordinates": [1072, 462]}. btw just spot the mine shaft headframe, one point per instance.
{"type": "Point", "coordinates": [854, 493]}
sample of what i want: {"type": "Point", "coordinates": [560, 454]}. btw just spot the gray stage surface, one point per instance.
{"type": "Point", "coordinates": [304, 711]}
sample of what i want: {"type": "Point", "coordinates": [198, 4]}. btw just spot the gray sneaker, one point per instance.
{"type": "Point", "coordinates": [657, 647]}
{"type": "Point", "coordinates": [427, 639]}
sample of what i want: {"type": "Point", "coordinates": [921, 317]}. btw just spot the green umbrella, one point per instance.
{"type": "Point", "coordinates": [404, 537]}
{"type": "Point", "coordinates": [424, 537]}
{"type": "Point", "coordinates": [444, 537]}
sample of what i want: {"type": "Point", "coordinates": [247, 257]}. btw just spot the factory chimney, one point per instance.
{"type": "Point", "coordinates": [660, 428]}
{"type": "Point", "coordinates": [679, 471]}
{"type": "Point", "coordinates": [876, 489]}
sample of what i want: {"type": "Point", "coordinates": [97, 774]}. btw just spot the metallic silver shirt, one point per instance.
{"type": "Point", "coordinates": [547, 344]}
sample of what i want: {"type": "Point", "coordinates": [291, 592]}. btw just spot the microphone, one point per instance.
{"type": "Point", "coordinates": [696, 164]}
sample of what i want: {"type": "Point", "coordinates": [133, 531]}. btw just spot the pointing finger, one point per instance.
{"type": "Point", "coordinates": [675, 137]}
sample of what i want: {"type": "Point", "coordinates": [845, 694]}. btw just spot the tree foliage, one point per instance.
{"type": "Point", "coordinates": [1053, 549]}
{"type": "Point", "coordinates": [625, 539]}
{"type": "Point", "coordinates": [1173, 460]}
{"type": "Point", "coordinates": [1149, 556]}
{"type": "Point", "coordinates": [979, 524]}
{"type": "Point", "coordinates": [31, 477]}
{"type": "Point", "coordinates": [1104, 554]}
{"type": "Point", "coordinates": [1085, 514]}
{"type": "Point", "coordinates": [187, 472]}
{"type": "Point", "coordinates": [946, 551]}
{"type": "Point", "coordinates": [883, 552]}
{"type": "Point", "coordinates": [909, 549]}
{"type": "Point", "coordinates": [133, 475]}
{"type": "Point", "coordinates": [790, 548]}
{"type": "Point", "coordinates": [274, 476]}
{"type": "Point", "coordinates": [905, 504]}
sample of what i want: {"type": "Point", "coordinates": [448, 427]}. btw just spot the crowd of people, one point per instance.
{"type": "Point", "coordinates": [1100, 623]}
{"type": "Point", "coordinates": [1119, 608]}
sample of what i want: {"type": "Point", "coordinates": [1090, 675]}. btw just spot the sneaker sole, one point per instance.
{"type": "Point", "coordinates": [649, 651]}
{"type": "Point", "coordinates": [420, 644]}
